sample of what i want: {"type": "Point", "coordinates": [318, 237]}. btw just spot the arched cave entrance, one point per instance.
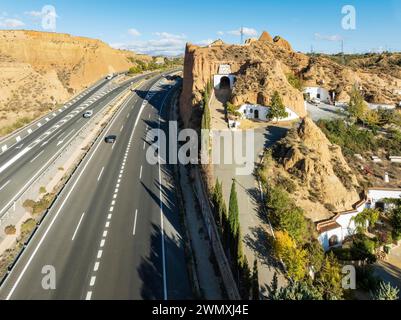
{"type": "Point", "coordinates": [225, 83]}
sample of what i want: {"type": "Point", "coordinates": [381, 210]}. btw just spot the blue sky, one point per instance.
{"type": "Point", "coordinates": [163, 27]}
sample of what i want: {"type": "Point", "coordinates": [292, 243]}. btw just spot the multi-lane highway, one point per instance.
{"type": "Point", "coordinates": [114, 232]}
{"type": "Point", "coordinates": [25, 160]}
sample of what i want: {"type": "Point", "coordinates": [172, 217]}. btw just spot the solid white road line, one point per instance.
{"type": "Point", "coordinates": [4, 185]}
{"type": "Point", "coordinates": [136, 215]}
{"type": "Point", "coordinates": [161, 212]}
{"type": "Point", "coordinates": [59, 210]}
{"type": "Point", "coordinates": [76, 229]}
{"type": "Point", "coordinates": [100, 174]}
{"type": "Point", "coordinates": [37, 156]}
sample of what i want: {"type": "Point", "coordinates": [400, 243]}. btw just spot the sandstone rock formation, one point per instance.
{"type": "Point", "coordinates": [318, 167]}
{"type": "Point", "coordinates": [265, 36]}
{"type": "Point", "coordinates": [262, 66]}
{"type": "Point", "coordinates": [40, 70]}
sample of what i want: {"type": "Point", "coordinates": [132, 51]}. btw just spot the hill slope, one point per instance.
{"type": "Point", "coordinates": [39, 70]}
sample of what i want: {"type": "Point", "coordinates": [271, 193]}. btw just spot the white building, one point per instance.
{"type": "Point", "coordinates": [334, 231]}
{"type": "Point", "coordinates": [259, 112]}
{"type": "Point", "coordinates": [318, 93]}
{"type": "Point", "coordinates": [224, 79]}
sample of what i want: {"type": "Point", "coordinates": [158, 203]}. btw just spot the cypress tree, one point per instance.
{"type": "Point", "coordinates": [255, 281]}
{"type": "Point", "coordinates": [233, 211]}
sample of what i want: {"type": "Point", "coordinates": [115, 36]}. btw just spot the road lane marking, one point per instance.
{"type": "Point", "coordinates": [100, 174]}
{"type": "Point", "coordinates": [4, 185]}
{"type": "Point", "coordinates": [161, 212]}
{"type": "Point", "coordinates": [89, 295]}
{"type": "Point", "coordinates": [96, 267]}
{"type": "Point", "coordinates": [107, 224]}
{"type": "Point", "coordinates": [122, 127]}
{"type": "Point", "coordinates": [37, 156]}
{"type": "Point", "coordinates": [136, 215]}
{"type": "Point", "coordinates": [58, 211]}
{"type": "Point", "coordinates": [102, 242]}
{"type": "Point", "coordinates": [14, 159]}
{"type": "Point", "coordinates": [109, 216]}
{"type": "Point", "coordinates": [92, 283]}
{"type": "Point", "coordinates": [99, 254]}
{"type": "Point", "coordinates": [76, 229]}
{"type": "Point", "coordinates": [104, 233]}
{"type": "Point", "coordinates": [140, 173]}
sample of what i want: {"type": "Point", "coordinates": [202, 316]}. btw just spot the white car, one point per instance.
{"type": "Point", "coordinates": [88, 114]}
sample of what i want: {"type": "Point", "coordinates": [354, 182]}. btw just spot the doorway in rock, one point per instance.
{"type": "Point", "coordinates": [225, 83]}
{"type": "Point", "coordinates": [256, 114]}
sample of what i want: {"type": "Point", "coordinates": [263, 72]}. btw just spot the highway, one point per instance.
{"type": "Point", "coordinates": [114, 232]}
{"type": "Point", "coordinates": [24, 161]}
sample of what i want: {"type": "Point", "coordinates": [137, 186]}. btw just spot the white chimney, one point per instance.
{"type": "Point", "coordinates": [386, 178]}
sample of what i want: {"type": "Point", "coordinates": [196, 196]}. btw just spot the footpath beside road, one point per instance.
{"type": "Point", "coordinates": [254, 226]}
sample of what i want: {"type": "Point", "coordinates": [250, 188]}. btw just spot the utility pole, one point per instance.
{"type": "Point", "coordinates": [342, 50]}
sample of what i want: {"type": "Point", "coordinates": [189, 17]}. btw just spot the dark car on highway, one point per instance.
{"type": "Point", "coordinates": [110, 139]}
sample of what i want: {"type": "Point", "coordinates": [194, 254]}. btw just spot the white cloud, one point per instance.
{"type": "Point", "coordinates": [167, 35]}
{"type": "Point", "coordinates": [166, 44]}
{"type": "Point", "coordinates": [245, 30]}
{"type": "Point", "coordinates": [220, 33]}
{"type": "Point", "coordinates": [11, 23]}
{"type": "Point", "coordinates": [333, 38]}
{"type": "Point", "coordinates": [34, 14]}
{"type": "Point", "coordinates": [204, 42]}
{"type": "Point", "coordinates": [134, 32]}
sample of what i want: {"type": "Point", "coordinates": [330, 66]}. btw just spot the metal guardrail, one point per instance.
{"type": "Point", "coordinates": [57, 196]}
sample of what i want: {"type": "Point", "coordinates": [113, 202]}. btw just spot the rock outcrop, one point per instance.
{"type": "Point", "coordinates": [318, 166]}
{"type": "Point", "coordinates": [262, 66]}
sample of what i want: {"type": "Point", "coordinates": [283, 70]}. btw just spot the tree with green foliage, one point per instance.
{"type": "Point", "coordinates": [255, 281]}
{"type": "Point", "coordinates": [315, 255]}
{"type": "Point", "coordinates": [367, 218]}
{"type": "Point", "coordinates": [395, 221]}
{"type": "Point", "coordinates": [296, 290]}
{"type": "Point", "coordinates": [206, 118]}
{"type": "Point", "coordinates": [357, 106]}
{"type": "Point", "coordinates": [385, 291]}
{"type": "Point", "coordinates": [285, 215]}
{"type": "Point", "coordinates": [233, 211]}
{"type": "Point", "coordinates": [329, 278]}
{"type": "Point", "coordinates": [277, 108]}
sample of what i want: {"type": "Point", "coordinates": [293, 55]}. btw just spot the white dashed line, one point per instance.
{"type": "Point", "coordinates": [140, 173]}
{"type": "Point", "coordinates": [96, 267]}
{"type": "Point", "coordinates": [92, 283]}
{"type": "Point", "coordinates": [76, 229]}
{"type": "Point", "coordinates": [4, 185]}
{"type": "Point", "coordinates": [89, 295]}
{"type": "Point", "coordinates": [99, 254]}
{"type": "Point", "coordinates": [100, 174]}
{"type": "Point", "coordinates": [136, 215]}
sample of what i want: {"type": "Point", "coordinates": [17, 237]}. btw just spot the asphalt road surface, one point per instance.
{"type": "Point", "coordinates": [22, 163]}
{"type": "Point", "coordinates": [114, 232]}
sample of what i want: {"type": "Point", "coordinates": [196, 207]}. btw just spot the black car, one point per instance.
{"type": "Point", "coordinates": [110, 139]}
